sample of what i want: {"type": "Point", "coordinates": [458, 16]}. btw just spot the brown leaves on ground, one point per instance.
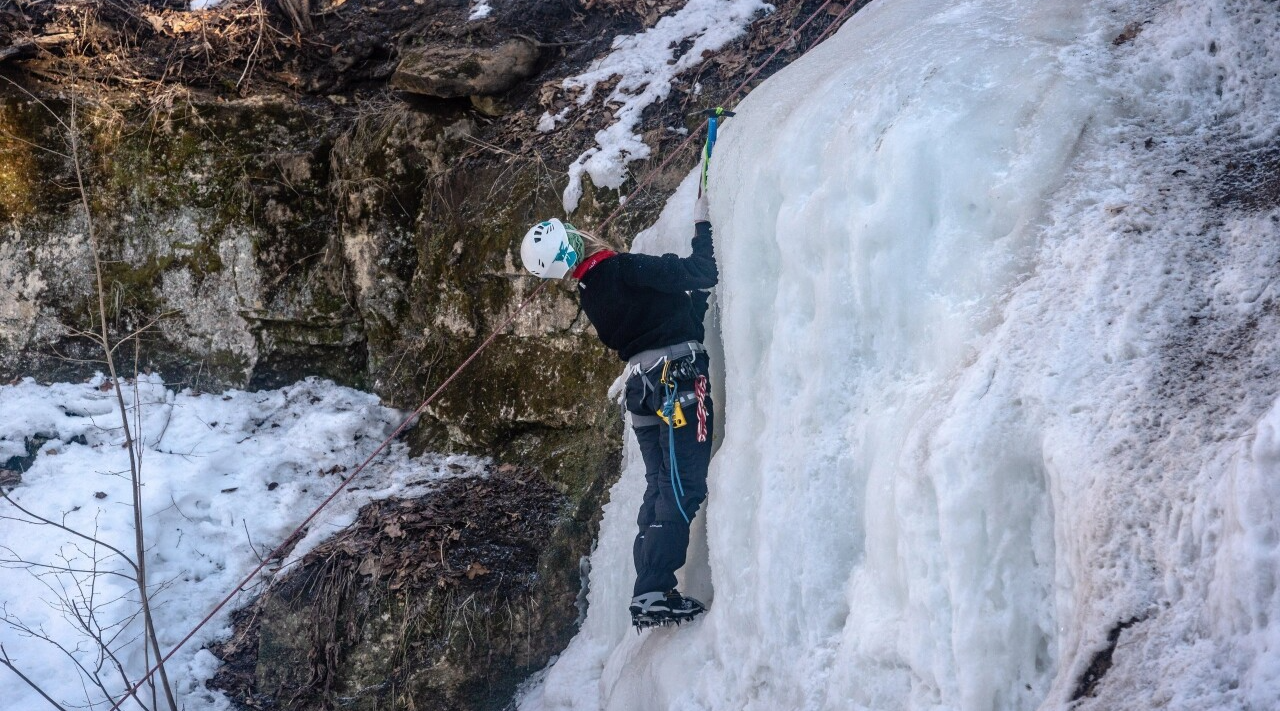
{"type": "Point", "coordinates": [485, 530]}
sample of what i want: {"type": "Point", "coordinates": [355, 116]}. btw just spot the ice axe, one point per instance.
{"type": "Point", "coordinates": [713, 117]}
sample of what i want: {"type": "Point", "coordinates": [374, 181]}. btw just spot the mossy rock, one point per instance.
{"type": "Point", "coordinates": [445, 602]}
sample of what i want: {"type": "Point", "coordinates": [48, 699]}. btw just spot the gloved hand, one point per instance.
{"type": "Point", "coordinates": [701, 210]}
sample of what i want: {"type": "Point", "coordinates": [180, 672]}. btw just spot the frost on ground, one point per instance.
{"type": "Point", "coordinates": [645, 65]}
{"type": "Point", "coordinates": [227, 478]}
{"type": "Point", "coordinates": [480, 10]}
{"type": "Point", "coordinates": [1000, 324]}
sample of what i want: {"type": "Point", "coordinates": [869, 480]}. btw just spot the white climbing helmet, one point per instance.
{"type": "Point", "coordinates": [550, 249]}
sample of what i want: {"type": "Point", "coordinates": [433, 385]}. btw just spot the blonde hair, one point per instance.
{"type": "Point", "coordinates": [591, 245]}
{"type": "Point", "coordinates": [594, 244]}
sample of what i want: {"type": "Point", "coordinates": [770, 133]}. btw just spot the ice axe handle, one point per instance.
{"type": "Point", "coordinates": [713, 116]}
{"type": "Point", "coordinates": [712, 124]}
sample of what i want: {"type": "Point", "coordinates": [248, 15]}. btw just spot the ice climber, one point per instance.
{"type": "Point", "coordinates": [649, 310]}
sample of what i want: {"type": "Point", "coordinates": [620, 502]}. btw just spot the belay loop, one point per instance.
{"type": "Point", "coordinates": [668, 408]}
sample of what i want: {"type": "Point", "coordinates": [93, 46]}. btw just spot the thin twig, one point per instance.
{"type": "Point", "coordinates": [42, 520]}
{"type": "Point", "coordinates": [248, 64]}
{"type": "Point", "coordinates": [5, 660]}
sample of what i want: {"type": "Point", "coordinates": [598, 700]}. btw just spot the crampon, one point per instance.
{"type": "Point", "coordinates": [663, 610]}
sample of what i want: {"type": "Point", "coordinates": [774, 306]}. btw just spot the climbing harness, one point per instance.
{"type": "Point", "coordinates": [278, 553]}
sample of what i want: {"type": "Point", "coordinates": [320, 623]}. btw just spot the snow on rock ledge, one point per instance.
{"type": "Point", "coordinates": [227, 478]}
{"type": "Point", "coordinates": [645, 65]}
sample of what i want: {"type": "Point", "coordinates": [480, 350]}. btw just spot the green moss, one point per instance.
{"type": "Point", "coordinates": [132, 287]}
{"type": "Point", "coordinates": [30, 143]}
{"type": "Point", "coordinates": [17, 168]}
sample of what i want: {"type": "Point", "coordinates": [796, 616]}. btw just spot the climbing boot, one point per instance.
{"type": "Point", "coordinates": [658, 609]}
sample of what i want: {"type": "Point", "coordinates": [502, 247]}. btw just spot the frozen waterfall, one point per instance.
{"type": "Point", "coordinates": [998, 346]}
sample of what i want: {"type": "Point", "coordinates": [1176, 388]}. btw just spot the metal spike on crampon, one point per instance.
{"type": "Point", "coordinates": [645, 622]}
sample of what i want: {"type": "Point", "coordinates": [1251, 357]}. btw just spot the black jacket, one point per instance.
{"type": "Point", "coordinates": [638, 302]}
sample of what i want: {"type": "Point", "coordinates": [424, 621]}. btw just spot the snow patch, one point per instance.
{"type": "Point", "coordinates": [645, 64]}
{"type": "Point", "coordinates": [480, 10]}
{"type": "Point", "coordinates": [228, 477]}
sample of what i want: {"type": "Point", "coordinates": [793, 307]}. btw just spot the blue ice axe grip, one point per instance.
{"type": "Point", "coordinates": [713, 116]}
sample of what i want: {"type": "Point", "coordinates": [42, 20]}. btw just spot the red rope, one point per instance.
{"type": "Point", "coordinates": [279, 550]}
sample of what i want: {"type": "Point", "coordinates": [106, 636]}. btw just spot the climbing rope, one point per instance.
{"type": "Point", "coordinates": [288, 540]}
{"type": "Point", "coordinates": [669, 393]}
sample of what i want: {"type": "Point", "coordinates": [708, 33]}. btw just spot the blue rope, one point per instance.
{"type": "Point", "coordinates": [668, 408]}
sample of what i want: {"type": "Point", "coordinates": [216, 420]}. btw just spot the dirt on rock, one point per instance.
{"type": "Point", "coordinates": [434, 602]}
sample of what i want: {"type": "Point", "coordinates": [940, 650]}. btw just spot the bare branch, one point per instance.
{"type": "Point", "coordinates": [139, 331]}
{"type": "Point", "coordinates": [40, 520]}
{"type": "Point", "coordinates": [5, 660]}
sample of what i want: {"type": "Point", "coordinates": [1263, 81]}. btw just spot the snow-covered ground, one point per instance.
{"type": "Point", "coordinates": [1000, 345]}
{"type": "Point", "coordinates": [227, 478]}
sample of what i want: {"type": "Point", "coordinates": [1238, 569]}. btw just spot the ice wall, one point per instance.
{"type": "Point", "coordinates": [999, 317]}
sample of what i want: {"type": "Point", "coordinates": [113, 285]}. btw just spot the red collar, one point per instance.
{"type": "Point", "coordinates": [582, 269]}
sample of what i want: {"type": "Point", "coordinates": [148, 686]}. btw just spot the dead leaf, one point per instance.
{"type": "Point", "coordinates": [475, 570]}
{"type": "Point", "coordinates": [393, 530]}
{"type": "Point", "coordinates": [51, 452]}
{"type": "Point", "coordinates": [99, 494]}
{"type": "Point", "coordinates": [369, 566]}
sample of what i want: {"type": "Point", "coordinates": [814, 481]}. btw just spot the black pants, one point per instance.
{"type": "Point", "coordinates": [665, 514]}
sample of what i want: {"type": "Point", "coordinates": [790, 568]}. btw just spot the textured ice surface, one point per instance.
{"type": "Point", "coordinates": [999, 317]}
